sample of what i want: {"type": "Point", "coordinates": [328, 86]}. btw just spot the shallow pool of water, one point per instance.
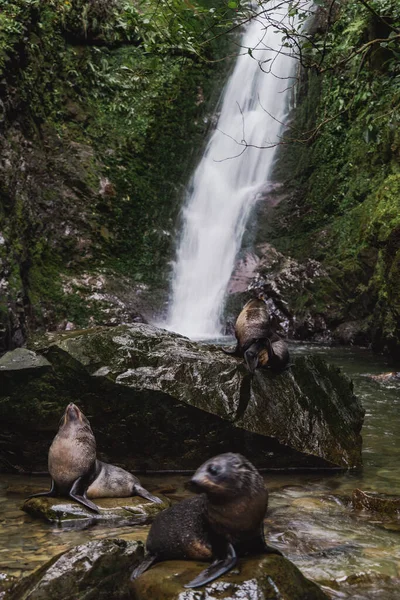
{"type": "Point", "coordinates": [353, 554]}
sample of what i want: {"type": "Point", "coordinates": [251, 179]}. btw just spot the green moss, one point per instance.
{"type": "Point", "coordinates": [101, 92]}
{"type": "Point", "coordinates": [342, 182]}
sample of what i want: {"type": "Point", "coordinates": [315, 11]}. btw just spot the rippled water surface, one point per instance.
{"type": "Point", "coordinates": [355, 555]}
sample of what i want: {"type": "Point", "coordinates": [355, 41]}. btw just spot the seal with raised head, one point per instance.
{"type": "Point", "coordinates": [76, 472]}
{"type": "Point", "coordinates": [256, 340]}
{"type": "Point", "coordinates": [224, 521]}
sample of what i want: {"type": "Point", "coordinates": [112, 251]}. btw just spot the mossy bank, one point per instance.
{"type": "Point", "coordinates": [103, 108]}
{"type": "Point", "coordinates": [339, 202]}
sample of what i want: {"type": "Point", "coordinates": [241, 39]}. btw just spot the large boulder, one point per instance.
{"type": "Point", "coordinates": [157, 400]}
{"type": "Point", "coordinates": [101, 570]}
{"type": "Point", "coordinates": [254, 578]}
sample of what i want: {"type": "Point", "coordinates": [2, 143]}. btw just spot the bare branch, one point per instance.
{"type": "Point", "coordinates": [359, 50]}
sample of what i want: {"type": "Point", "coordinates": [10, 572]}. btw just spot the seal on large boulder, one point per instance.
{"type": "Point", "coordinates": [257, 342]}
{"type": "Point", "coordinates": [224, 521]}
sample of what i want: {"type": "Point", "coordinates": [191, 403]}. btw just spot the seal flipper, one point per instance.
{"type": "Point", "coordinates": [216, 569]}
{"type": "Point", "coordinates": [138, 490]}
{"type": "Point", "coordinates": [51, 493]}
{"type": "Point", "coordinates": [78, 493]}
{"type": "Point", "coordinates": [143, 566]}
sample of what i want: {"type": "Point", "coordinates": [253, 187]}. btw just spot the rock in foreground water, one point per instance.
{"type": "Point", "coordinates": [157, 400]}
{"type": "Point", "coordinates": [376, 503]}
{"type": "Point", "coordinates": [98, 570]}
{"type": "Point", "coordinates": [269, 577]}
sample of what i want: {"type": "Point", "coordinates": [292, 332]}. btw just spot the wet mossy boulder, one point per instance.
{"type": "Point", "coordinates": [113, 511]}
{"type": "Point", "coordinates": [254, 578]}
{"type": "Point", "coordinates": [97, 570]}
{"type": "Point", "coordinates": [101, 570]}
{"type": "Point", "coordinates": [157, 400]}
{"type": "Point", "coordinates": [384, 504]}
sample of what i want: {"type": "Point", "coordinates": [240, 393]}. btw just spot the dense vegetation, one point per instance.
{"type": "Point", "coordinates": [343, 172]}
{"type": "Point", "coordinates": [103, 108]}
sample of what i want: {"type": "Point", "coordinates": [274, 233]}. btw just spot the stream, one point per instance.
{"type": "Point", "coordinates": [352, 554]}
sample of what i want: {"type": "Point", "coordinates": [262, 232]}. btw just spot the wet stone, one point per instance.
{"type": "Point", "coordinates": [98, 570]}
{"type": "Point", "coordinates": [271, 577]}
{"type": "Point", "coordinates": [383, 504]}
{"type": "Point", "coordinates": [113, 511]}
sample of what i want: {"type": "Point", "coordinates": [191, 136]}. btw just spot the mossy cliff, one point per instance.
{"type": "Point", "coordinates": [340, 200]}
{"type": "Point", "coordinates": [103, 106]}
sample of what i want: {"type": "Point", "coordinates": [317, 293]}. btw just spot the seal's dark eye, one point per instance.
{"type": "Point", "coordinates": [213, 469]}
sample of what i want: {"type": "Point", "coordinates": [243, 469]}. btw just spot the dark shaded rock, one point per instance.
{"type": "Point", "coordinates": [95, 571]}
{"type": "Point", "coordinates": [172, 403]}
{"type": "Point", "coordinates": [295, 406]}
{"type": "Point", "coordinates": [373, 502]}
{"type": "Point", "coordinates": [114, 511]}
{"type": "Point", "coordinates": [352, 332]}
{"type": "Point", "coordinates": [255, 578]}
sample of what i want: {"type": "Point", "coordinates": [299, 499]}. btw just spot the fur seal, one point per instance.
{"type": "Point", "coordinates": [257, 342]}
{"type": "Point", "coordinates": [223, 521]}
{"type": "Point", "coordinates": [76, 472]}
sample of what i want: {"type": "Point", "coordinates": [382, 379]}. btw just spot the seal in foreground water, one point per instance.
{"type": "Point", "coordinates": [76, 472]}
{"type": "Point", "coordinates": [223, 521]}
{"type": "Point", "coordinates": [257, 342]}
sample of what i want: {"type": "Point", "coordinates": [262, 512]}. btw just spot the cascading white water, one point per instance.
{"type": "Point", "coordinates": [229, 175]}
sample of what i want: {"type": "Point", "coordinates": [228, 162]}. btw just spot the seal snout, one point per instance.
{"type": "Point", "coordinates": [72, 413]}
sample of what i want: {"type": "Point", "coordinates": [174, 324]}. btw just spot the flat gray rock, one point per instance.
{"type": "Point", "coordinates": [22, 359]}
{"type": "Point", "coordinates": [115, 511]}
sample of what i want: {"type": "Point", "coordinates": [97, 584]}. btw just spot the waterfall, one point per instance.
{"type": "Point", "coordinates": [225, 183]}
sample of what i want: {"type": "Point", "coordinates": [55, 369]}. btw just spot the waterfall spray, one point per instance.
{"type": "Point", "coordinates": [231, 172]}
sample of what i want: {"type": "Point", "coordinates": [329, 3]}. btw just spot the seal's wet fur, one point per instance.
{"type": "Point", "coordinates": [257, 341]}
{"type": "Point", "coordinates": [224, 520]}
{"type": "Point", "coordinates": [75, 471]}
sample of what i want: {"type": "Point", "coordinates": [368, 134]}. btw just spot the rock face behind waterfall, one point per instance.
{"type": "Point", "coordinates": [157, 400]}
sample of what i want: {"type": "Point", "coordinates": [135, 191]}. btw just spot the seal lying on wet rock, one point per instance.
{"type": "Point", "coordinates": [223, 521]}
{"type": "Point", "coordinates": [257, 342]}
{"type": "Point", "coordinates": [76, 472]}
